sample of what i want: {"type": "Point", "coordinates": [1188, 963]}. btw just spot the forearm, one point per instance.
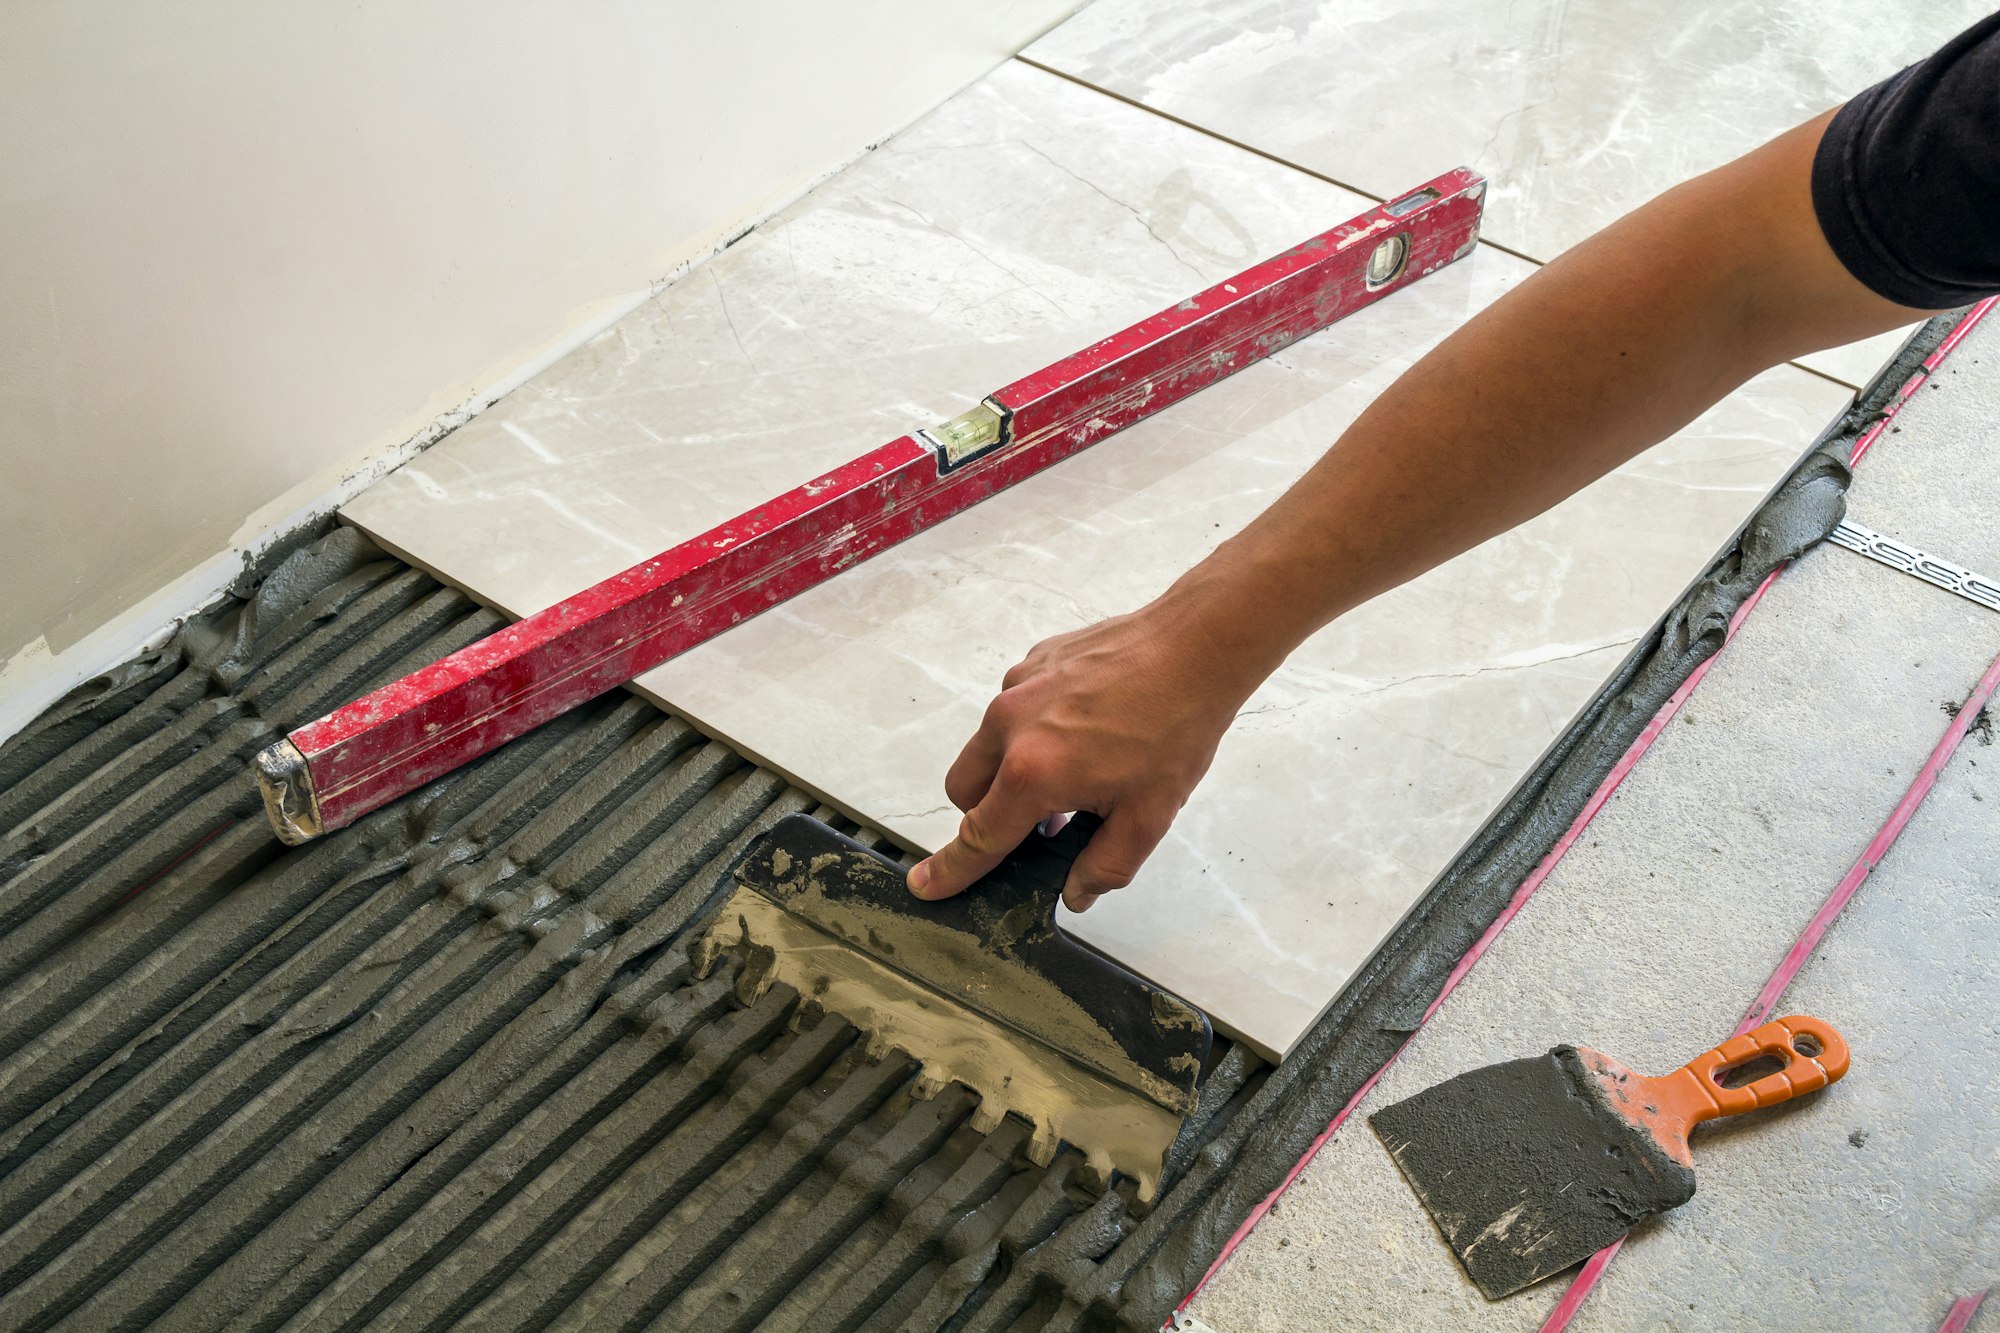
{"type": "Point", "coordinates": [1596, 357]}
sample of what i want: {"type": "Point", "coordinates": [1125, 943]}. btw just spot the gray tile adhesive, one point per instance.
{"type": "Point", "coordinates": [452, 1063]}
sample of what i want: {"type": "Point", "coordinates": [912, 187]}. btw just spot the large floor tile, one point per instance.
{"type": "Point", "coordinates": [1019, 221]}
{"type": "Point", "coordinates": [1856, 364]}
{"type": "Point", "coordinates": [1578, 110]}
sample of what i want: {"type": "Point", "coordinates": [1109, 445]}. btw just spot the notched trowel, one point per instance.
{"type": "Point", "coordinates": [983, 989]}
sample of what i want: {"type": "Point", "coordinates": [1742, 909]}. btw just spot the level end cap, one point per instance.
{"type": "Point", "coordinates": [290, 802]}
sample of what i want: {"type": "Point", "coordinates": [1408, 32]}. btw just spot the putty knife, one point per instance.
{"type": "Point", "coordinates": [1530, 1166]}
{"type": "Point", "coordinates": [983, 989]}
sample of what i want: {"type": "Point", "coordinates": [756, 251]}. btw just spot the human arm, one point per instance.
{"type": "Point", "coordinates": [1597, 356]}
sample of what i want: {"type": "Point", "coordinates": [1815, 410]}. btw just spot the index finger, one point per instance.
{"type": "Point", "coordinates": [989, 830]}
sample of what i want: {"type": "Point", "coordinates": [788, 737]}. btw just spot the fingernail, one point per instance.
{"type": "Point", "coordinates": [920, 879]}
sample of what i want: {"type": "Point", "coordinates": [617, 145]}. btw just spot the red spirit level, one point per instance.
{"type": "Point", "coordinates": [332, 771]}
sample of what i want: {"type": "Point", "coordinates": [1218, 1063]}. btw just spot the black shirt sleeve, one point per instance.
{"type": "Point", "coordinates": [1906, 181]}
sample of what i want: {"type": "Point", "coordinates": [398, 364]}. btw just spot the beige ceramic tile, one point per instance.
{"type": "Point", "coordinates": [1578, 110]}
{"type": "Point", "coordinates": [1019, 221]}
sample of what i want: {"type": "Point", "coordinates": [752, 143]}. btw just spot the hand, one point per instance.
{"type": "Point", "coordinates": [1121, 719]}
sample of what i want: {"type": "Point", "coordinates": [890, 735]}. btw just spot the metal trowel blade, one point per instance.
{"type": "Point", "coordinates": [983, 989]}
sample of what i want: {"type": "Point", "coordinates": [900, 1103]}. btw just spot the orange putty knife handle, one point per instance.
{"type": "Point", "coordinates": [1813, 1053]}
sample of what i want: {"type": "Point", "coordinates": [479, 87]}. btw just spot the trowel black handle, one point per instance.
{"type": "Point", "coordinates": [1039, 867]}
{"type": "Point", "coordinates": [1067, 843]}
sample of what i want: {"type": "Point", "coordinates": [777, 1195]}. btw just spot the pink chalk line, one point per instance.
{"type": "Point", "coordinates": [1871, 855]}
{"type": "Point", "coordinates": [1922, 373]}
{"type": "Point", "coordinates": [1587, 1278]}
{"type": "Point", "coordinates": [1802, 949]}
{"type": "Point", "coordinates": [1959, 1317]}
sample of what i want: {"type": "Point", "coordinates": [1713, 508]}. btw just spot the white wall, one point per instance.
{"type": "Point", "coordinates": [250, 252]}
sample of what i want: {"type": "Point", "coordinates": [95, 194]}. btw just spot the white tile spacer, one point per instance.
{"type": "Point", "coordinates": [1932, 569]}
{"type": "Point", "coordinates": [1183, 1322]}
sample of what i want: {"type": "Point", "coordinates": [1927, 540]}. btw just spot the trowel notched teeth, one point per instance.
{"type": "Point", "coordinates": [987, 994]}
{"type": "Point", "coordinates": [1042, 1145]}
{"type": "Point", "coordinates": [990, 1109]}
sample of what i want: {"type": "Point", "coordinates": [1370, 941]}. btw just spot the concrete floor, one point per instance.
{"type": "Point", "coordinates": [1872, 1205]}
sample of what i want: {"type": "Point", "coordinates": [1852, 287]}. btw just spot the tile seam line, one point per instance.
{"type": "Point", "coordinates": [1263, 153]}
{"type": "Point", "coordinates": [1269, 156]}
{"type": "Point", "coordinates": [1919, 376]}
